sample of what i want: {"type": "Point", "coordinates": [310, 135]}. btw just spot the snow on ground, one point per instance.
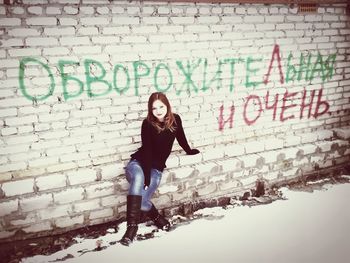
{"type": "Point", "coordinates": [304, 228]}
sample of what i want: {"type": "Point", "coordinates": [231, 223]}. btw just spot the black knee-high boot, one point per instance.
{"type": "Point", "coordinates": [159, 220]}
{"type": "Point", "coordinates": [133, 211]}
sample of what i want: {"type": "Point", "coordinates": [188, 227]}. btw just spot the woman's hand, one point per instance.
{"type": "Point", "coordinates": [193, 152]}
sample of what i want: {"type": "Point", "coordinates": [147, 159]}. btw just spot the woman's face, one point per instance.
{"type": "Point", "coordinates": [159, 110]}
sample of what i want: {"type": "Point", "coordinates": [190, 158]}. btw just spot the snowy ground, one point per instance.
{"type": "Point", "coordinates": [307, 227]}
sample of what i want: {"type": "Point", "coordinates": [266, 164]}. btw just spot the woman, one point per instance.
{"type": "Point", "coordinates": [144, 171]}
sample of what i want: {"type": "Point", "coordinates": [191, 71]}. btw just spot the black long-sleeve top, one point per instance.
{"type": "Point", "coordinates": [156, 147]}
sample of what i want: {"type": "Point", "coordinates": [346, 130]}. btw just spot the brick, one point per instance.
{"type": "Point", "coordinates": [254, 146]}
{"type": "Point", "coordinates": [208, 19]}
{"type": "Point", "coordinates": [234, 184]}
{"type": "Point", "coordinates": [21, 120]}
{"type": "Point", "coordinates": [208, 168]}
{"type": "Point", "coordinates": [248, 181]}
{"type": "Point", "coordinates": [59, 31]}
{"type": "Point", "coordinates": [36, 202]}
{"type": "Point", "coordinates": [18, 166]}
{"type": "Point", "coordinates": [7, 234]}
{"type": "Point", "coordinates": [54, 212]}
{"type": "Point", "coordinates": [120, 20]}
{"type": "Point", "coordinates": [101, 10]}
{"type": "Point", "coordinates": [273, 144]}
{"type": "Point", "coordinates": [81, 176]}
{"type": "Point", "coordinates": [207, 190]}
{"type": "Point", "coordinates": [87, 50]}
{"type": "Point", "coordinates": [70, 221]}
{"type": "Point", "coordinates": [113, 200]}
{"type": "Point", "coordinates": [104, 213]}
{"type": "Point", "coordinates": [51, 181]}
{"type": "Point", "coordinates": [40, 227]}
{"type": "Point", "coordinates": [18, 187]}
{"type": "Point", "coordinates": [42, 162]}
{"type": "Point", "coordinates": [112, 171]}
{"type": "Point", "coordinates": [91, 21]}
{"type": "Point", "coordinates": [36, 10]}
{"type": "Point", "coordinates": [182, 20]}
{"type": "Point", "coordinates": [249, 160]}
{"type": "Point", "coordinates": [22, 139]}
{"type": "Point", "coordinates": [7, 207]}
{"type": "Point", "coordinates": [8, 112]}
{"type": "Point", "coordinates": [10, 22]}
{"type": "Point", "coordinates": [69, 195]}
{"type": "Point", "coordinates": [75, 41]}
{"type": "Point", "coordinates": [8, 131]}
{"type": "Point", "coordinates": [230, 165]}
{"type": "Point", "coordinates": [99, 190]}
{"type": "Point", "coordinates": [301, 162]}
{"type": "Point", "coordinates": [293, 172]}
{"type": "Point", "coordinates": [14, 149]}
{"type": "Point", "coordinates": [308, 137]}
{"type": "Point", "coordinates": [168, 188]}
{"type": "Point", "coordinates": [212, 154]}
{"type": "Point", "coordinates": [292, 141]}
{"type": "Point", "coordinates": [41, 21]}
{"type": "Point", "coordinates": [29, 219]}
{"type": "Point", "coordinates": [190, 159]}
{"type": "Point", "coordinates": [61, 167]}
{"type": "Point", "coordinates": [308, 149]}
{"type": "Point", "coordinates": [53, 10]}
{"type": "Point", "coordinates": [342, 133]}
{"type": "Point", "coordinates": [87, 205]}
{"type": "Point", "coordinates": [183, 172]}
{"type": "Point", "coordinates": [271, 176]}
{"type": "Point", "coordinates": [234, 150]}
{"type": "Point", "coordinates": [290, 153]}
{"type": "Point", "coordinates": [68, 21]}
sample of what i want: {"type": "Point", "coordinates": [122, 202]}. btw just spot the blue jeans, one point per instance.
{"type": "Point", "coordinates": [136, 179]}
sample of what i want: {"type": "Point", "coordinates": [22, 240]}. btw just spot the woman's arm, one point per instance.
{"type": "Point", "coordinates": [147, 150]}
{"type": "Point", "coordinates": [181, 137]}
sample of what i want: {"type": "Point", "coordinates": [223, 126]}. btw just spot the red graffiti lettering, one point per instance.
{"type": "Point", "coordinates": [252, 97]}
{"type": "Point", "coordinates": [275, 53]}
{"type": "Point", "coordinates": [287, 108]}
{"type": "Point", "coordinates": [273, 106]}
{"type": "Point", "coordinates": [320, 103]}
{"type": "Point", "coordinates": [308, 105]}
{"type": "Point", "coordinates": [284, 107]}
{"type": "Point", "coordinates": [229, 119]}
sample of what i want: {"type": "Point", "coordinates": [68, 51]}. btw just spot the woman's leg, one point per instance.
{"type": "Point", "coordinates": [149, 207]}
{"type": "Point", "coordinates": [156, 177]}
{"type": "Point", "coordinates": [135, 177]}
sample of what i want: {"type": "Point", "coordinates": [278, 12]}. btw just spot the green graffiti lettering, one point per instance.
{"type": "Point", "coordinates": [66, 77]}
{"type": "Point", "coordinates": [318, 68]}
{"type": "Point", "coordinates": [155, 77]}
{"type": "Point", "coordinates": [137, 65]}
{"type": "Point", "coordinates": [250, 71]}
{"type": "Point", "coordinates": [291, 71]}
{"type": "Point", "coordinates": [217, 76]}
{"type": "Point", "coordinates": [329, 67]}
{"type": "Point", "coordinates": [232, 63]}
{"type": "Point", "coordinates": [304, 67]}
{"type": "Point", "coordinates": [115, 80]}
{"type": "Point", "coordinates": [95, 79]}
{"type": "Point", "coordinates": [22, 87]}
{"type": "Point", "coordinates": [188, 75]}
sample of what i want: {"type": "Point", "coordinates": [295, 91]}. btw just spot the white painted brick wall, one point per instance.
{"type": "Point", "coordinates": [64, 158]}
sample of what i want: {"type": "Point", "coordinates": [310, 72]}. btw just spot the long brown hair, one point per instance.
{"type": "Point", "coordinates": [169, 119]}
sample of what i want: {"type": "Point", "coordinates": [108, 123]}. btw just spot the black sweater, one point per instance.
{"type": "Point", "coordinates": [156, 147]}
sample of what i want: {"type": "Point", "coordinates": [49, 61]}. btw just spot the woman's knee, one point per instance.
{"type": "Point", "coordinates": [134, 171]}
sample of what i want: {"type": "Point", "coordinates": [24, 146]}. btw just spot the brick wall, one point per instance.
{"type": "Point", "coordinates": [263, 92]}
